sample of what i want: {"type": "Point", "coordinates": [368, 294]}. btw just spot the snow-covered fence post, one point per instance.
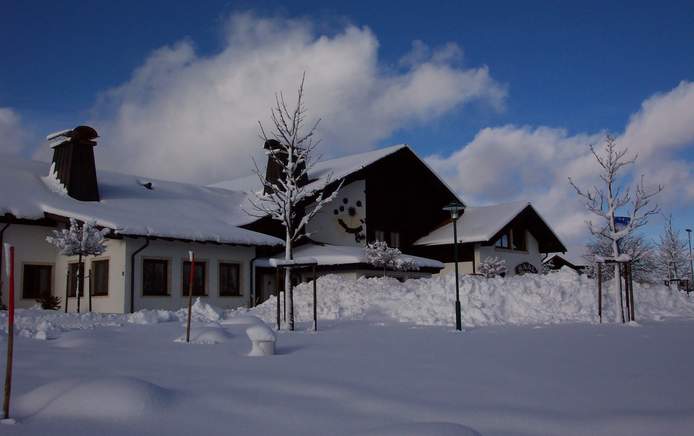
{"type": "Point", "coordinates": [599, 267]}
{"type": "Point", "coordinates": [9, 269]}
{"type": "Point", "coordinates": [315, 300]}
{"type": "Point", "coordinates": [191, 258]}
{"type": "Point", "coordinates": [79, 240]}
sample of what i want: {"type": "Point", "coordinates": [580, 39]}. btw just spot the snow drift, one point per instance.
{"type": "Point", "coordinates": [100, 398]}
{"type": "Point", "coordinates": [558, 297]}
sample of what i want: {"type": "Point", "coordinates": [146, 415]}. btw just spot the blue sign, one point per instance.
{"type": "Point", "coordinates": [621, 222]}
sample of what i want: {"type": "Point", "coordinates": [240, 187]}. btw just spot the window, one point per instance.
{"type": "Point", "coordinates": [155, 277]}
{"type": "Point", "coordinates": [379, 235]}
{"type": "Point", "coordinates": [72, 279]}
{"type": "Point", "coordinates": [504, 241]}
{"type": "Point", "coordinates": [99, 277]}
{"type": "Point", "coordinates": [37, 281]}
{"type": "Point", "coordinates": [198, 278]}
{"type": "Point", "coordinates": [519, 241]}
{"type": "Point", "coordinates": [229, 283]}
{"type": "Point", "coordinates": [395, 239]}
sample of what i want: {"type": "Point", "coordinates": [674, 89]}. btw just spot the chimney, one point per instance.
{"type": "Point", "coordinates": [73, 162]}
{"type": "Point", "coordinates": [276, 160]}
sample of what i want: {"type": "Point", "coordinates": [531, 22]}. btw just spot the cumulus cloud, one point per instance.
{"type": "Point", "coordinates": [12, 138]}
{"type": "Point", "coordinates": [194, 118]}
{"type": "Point", "coordinates": [521, 162]}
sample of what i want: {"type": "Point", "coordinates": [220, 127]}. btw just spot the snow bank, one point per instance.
{"type": "Point", "coordinates": [108, 398]}
{"type": "Point", "coordinates": [146, 316]}
{"type": "Point", "coordinates": [206, 335]}
{"type": "Point", "coordinates": [559, 297]}
{"type": "Point", "coordinates": [422, 429]}
{"type": "Point", "coordinates": [49, 324]}
{"type": "Point", "coordinates": [201, 312]}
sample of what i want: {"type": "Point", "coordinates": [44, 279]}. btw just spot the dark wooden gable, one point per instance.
{"type": "Point", "coordinates": [529, 219]}
{"type": "Point", "coordinates": [403, 195]}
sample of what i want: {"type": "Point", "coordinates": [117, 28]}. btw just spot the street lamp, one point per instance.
{"type": "Point", "coordinates": [691, 261]}
{"type": "Point", "coordinates": [456, 209]}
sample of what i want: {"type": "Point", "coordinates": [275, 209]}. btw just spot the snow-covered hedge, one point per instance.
{"type": "Point", "coordinates": [558, 297]}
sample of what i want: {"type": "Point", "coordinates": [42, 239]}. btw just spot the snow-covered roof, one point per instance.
{"type": "Point", "coordinates": [169, 209]}
{"type": "Point", "coordinates": [337, 168]}
{"type": "Point", "coordinates": [479, 224]}
{"type": "Point", "coordinates": [340, 255]}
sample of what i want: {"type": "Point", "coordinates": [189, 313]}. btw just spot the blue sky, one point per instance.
{"type": "Point", "coordinates": [582, 68]}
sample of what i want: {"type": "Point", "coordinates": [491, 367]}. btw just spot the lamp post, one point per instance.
{"type": "Point", "coordinates": [456, 210]}
{"type": "Point", "coordinates": [691, 261]}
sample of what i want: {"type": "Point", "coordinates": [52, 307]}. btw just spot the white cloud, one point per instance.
{"type": "Point", "coordinates": [188, 117]}
{"type": "Point", "coordinates": [520, 162]}
{"type": "Point", "coordinates": [12, 138]}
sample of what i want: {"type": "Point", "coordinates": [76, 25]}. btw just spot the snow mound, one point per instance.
{"type": "Point", "coordinates": [201, 312]}
{"type": "Point", "coordinates": [145, 317]}
{"type": "Point", "coordinates": [242, 320]}
{"type": "Point", "coordinates": [50, 324]}
{"type": "Point", "coordinates": [261, 332]}
{"type": "Point", "coordinates": [559, 297]}
{"type": "Point", "coordinates": [422, 429]}
{"type": "Point", "coordinates": [109, 398]}
{"type": "Point", "coordinates": [206, 335]}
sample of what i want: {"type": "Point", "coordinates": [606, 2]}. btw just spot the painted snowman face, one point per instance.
{"type": "Point", "coordinates": [350, 217]}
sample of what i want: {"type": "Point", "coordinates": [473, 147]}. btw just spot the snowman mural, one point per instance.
{"type": "Point", "coordinates": [343, 221]}
{"type": "Point", "coordinates": [350, 218]}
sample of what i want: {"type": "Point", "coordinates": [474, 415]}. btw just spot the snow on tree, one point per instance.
{"type": "Point", "coordinates": [613, 199]}
{"type": "Point", "coordinates": [492, 267]}
{"type": "Point", "coordinates": [79, 240]}
{"type": "Point", "coordinates": [636, 246]}
{"type": "Point", "coordinates": [671, 256]}
{"type": "Point", "coordinates": [380, 255]}
{"type": "Point", "coordinates": [289, 199]}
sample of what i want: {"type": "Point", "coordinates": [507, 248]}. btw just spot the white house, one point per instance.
{"type": "Point", "coordinates": [154, 223]}
{"type": "Point", "coordinates": [389, 194]}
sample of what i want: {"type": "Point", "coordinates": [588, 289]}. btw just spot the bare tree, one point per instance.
{"type": "Point", "coordinates": [671, 254]}
{"type": "Point", "coordinates": [613, 198]}
{"type": "Point", "coordinates": [636, 246]}
{"type": "Point", "coordinates": [289, 198]}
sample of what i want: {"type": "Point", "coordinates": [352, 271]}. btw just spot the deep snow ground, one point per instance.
{"type": "Point", "coordinates": [360, 377]}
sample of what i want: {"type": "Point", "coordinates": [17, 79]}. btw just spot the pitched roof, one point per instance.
{"type": "Point", "coordinates": [337, 169]}
{"type": "Point", "coordinates": [169, 209]}
{"type": "Point", "coordinates": [481, 224]}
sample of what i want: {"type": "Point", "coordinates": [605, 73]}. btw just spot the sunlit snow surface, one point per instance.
{"type": "Point", "coordinates": [363, 373]}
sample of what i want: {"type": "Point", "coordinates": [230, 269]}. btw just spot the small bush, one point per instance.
{"type": "Point", "coordinates": [49, 302]}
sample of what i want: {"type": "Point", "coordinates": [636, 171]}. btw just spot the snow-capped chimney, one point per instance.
{"type": "Point", "coordinates": [73, 162]}
{"type": "Point", "coordinates": [273, 172]}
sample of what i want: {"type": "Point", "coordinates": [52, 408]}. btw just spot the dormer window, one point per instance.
{"type": "Point", "coordinates": [504, 241]}
{"type": "Point", "coordinates": [512, 239]}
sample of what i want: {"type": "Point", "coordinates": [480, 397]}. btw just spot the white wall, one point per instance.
{"type": "Point", "coordinates": [111, 303]}
{"type": "Point", "coordinates": [324, 227]}
{"type": "Point", "coordinates": [514, 257]}
{"type": "Point", "coordinates": [176, 253]}
{"type": "Point", "coordinates": [30, 247]}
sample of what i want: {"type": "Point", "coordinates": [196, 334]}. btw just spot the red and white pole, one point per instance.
{"type": "Point", "coordinates": [191, 258]}
{"type": "Point", "coordinates": [9, 269]}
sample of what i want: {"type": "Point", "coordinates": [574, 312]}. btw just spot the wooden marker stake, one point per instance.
{"type": "Point", "coordinates": [191, 257]}
{"type": "Point", "coordinates": [9, 264]}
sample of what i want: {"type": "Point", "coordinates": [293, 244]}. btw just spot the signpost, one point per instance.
{"type": "Point", "coordinates": [620, 222]}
